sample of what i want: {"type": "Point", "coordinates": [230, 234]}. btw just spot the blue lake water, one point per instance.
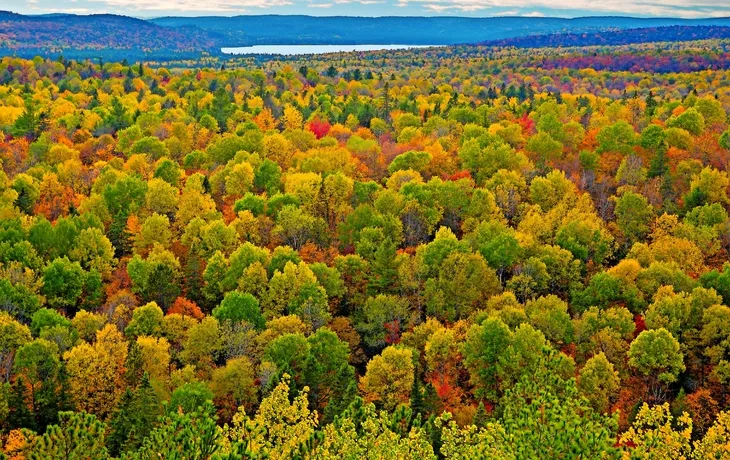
{"type": "Point", "coordinates": [289, 50]}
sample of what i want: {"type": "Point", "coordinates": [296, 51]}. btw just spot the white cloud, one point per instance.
{"type": "Point", "coordinates": [194, 5]}
{"type": "Point", "coordinates": [666, 8]}
{"type": "Point", "coordinates": [564, 8]}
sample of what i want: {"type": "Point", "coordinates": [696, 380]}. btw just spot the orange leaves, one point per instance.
{"type": "Point", "coordinates": [185, 307]}
{"type": "Point", "coordinates": [265, 120]}
{"type": "Point", "coordinates": [55, 199]}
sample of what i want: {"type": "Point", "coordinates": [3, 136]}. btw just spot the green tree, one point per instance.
{"type": "Point", "coordinates": [63, 283]}
{"type": "Point", "coordinates": [633, 216]}
{"type": "Point", "coordinates": [656, 356]}
{"type": "Point", "coordinates": [77, 436]}
{"type": "Point", "coordinates": [598, 382]}
{"type": "Point", "coordinates": [134, 418]}
{"type": "Point", "coordinates": [191, 435]}
{"type": "Point", "coordinates": [545, 417]}
{"type": "Point", "coordinates": [238, 307]}
{"type": "Point", "coordinates": [484, 345]}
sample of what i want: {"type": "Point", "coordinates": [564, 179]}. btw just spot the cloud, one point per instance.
{"type": "Point", "coordinates": [193, 5]}
{"type": "Point", "coordinates": [563, 8]}
{"type": "Point", "coordinates": [666, 8]}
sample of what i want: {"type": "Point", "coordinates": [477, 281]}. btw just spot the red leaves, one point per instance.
{"type": "Point", "coordinates": [527, 124]}
{"type": "Point", "coordinates": [392, 332]}
{"type": "Point", "coordinates": [320, 128]}
{"type": "Point", "coordinates": [640, 325]}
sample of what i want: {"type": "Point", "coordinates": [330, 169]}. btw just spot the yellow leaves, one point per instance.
{"type": "Point", "coordinates": [192, 204]}
{"type": "Point", "coordinates": [389, 378]}
{"type": "Point", "coordinates": [61, 107]}
{"type": "Point", "coordinates": [16, 443]}
{"type": "Point", "coordinates": [138, 164]}
{"type": "Point", "coordinates": [161, 197]}
{"type": "Point", "coordinates": [627, 270]}
{"type": "Point", "coordinates": [292, 118]}
{"type": "Point", "coordinates": [679, 250]}
{"type": "Point", "coordinates": [205, 101]}
{"type": "Point", "coordinates": [155, 354]}
{"type": "Point", "coordinates": [399, 178]}
{"type": "Point", "coordinates": [278, 149]}
{"type": "Point", "coordinates": [305, 186]}
{"type": "Point", "coordinates": [326, 160]}
{"type": "Point", "coordinates": [239, 180]}
{"type": "Point", "coordinates": [90, 120]}
{"type": "Point", "coordinates": [96, 372]}
{"type": "Point", "coordinates": [716, 442]}
{"type": "Point", "coordinates": [279, 427]}
{"type": "Point", "coordinates": [60, 153]}
{"type": "Point", "coordinates": [8, 115]}
{"type": "Point", "coordinates": [654, 437]}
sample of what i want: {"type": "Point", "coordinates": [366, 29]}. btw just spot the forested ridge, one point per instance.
{"type": "Point", "coordinates": [464, 253]}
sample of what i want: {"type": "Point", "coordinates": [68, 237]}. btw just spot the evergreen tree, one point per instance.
{"type": "Point", "coordinates": [32, 122]}
{"type": "Point", "coordinates": [480, 417]}
{"type": "Point", "coordinates": [135, 418]}
{"type": "Point", "coordinates": [651, 104]}
{"type": "Point", "coordinates": [384, 268]}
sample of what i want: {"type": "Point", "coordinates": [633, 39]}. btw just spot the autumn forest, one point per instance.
{"type": "Point", "coordinates": [445, 253]}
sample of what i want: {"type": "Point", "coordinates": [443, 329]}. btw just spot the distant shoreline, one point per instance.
{"type": "Point", "coordinates": [299, 49]}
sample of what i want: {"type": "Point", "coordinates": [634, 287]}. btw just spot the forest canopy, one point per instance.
{"type": "Point", "coordinates": [444, 253]}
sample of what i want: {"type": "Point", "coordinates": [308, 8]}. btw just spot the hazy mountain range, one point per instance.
{"type": "Point", "coordinates": [117, 37]}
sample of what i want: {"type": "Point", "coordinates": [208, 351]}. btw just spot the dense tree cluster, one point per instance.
{"type": "Point", "coordinates": [290, 262]}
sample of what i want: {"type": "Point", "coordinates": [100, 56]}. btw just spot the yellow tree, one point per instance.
{"type": "Point", "coordinates": [653, 434]}
{"type": "Point", "coordinates": [716, 442]}
{"type": "Point", "coordinates": [96, 372]}
{"type": "Point", "coordinates": [292, 118]}
{"type": "Point", "coordinates": [155, 353]}
{"type": "Point", "coordinates": [389, 378]}
{"type": "Point", "coordinates": [279, 428]}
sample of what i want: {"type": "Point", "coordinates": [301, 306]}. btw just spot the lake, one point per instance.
{"type": "Point", "coordinates": [289, 50]}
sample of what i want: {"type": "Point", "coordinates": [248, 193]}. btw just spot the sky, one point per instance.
{"type": "Point", "coordinates": [479, 8]}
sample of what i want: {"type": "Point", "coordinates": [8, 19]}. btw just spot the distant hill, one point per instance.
{"type": "Point", "coordinates": [120, 37]}
{"type": "Point", "coordinates": [616, 37]}
{"type": "Point", "coordinates": [114, 37]}
{"type": "Point", "coordinates": [341, 30]}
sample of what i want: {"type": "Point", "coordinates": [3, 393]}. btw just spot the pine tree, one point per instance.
{"type": "Point", "coordinates": [135, 417]}
{"type": "Point", "coordinates": [480, 417]}
{"type": "Point", "coordinates": [417, 403]}
{"type": "Point", "coordinates": [145, 410]}
{"type": "Point", "coordinates": [384, 268]}
{"type": "Point", "coordinates": [77, 435]}
{"type": "Point", "coordinates": [651, 104]}
{"type": "Point", "coordinates": [31, 123]}
{"type": "Point", "coordinates": [20, 415]}
{"type": "Point", "coordinates": [133, 365]}
{"type": "Point", "coordinates": [120, 424]}
{"type": "Point", "coordinates": [659, 165]}
{"type": "Point", "coordinates": [344, 393]}
{"type": "Point", "coordinates": [386, 103]}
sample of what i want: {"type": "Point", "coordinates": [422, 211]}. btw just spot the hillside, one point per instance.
{"type": "Point", "coordinates": [273, 29]}
{"type": "Point", "coordinates": [616, 37]}
{"type": "Point", "coordinates": [420, 254]}
{"type": "Point", "coordinates": [114, 37]}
